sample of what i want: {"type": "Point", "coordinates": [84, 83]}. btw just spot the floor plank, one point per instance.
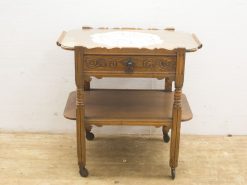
{"type": "Point", "coordinates": [38, 158]}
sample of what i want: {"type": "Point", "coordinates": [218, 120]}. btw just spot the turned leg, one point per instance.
{"type": "Point", "coordinates": [81, 144]}
{"type": "Point", "coordinates": [80, 111]}
{"type": "Point", "coordinates": [165, 129]}
{"type": "Point", "coordinates": [175, 133]}
{"type": "Point", "coordinates": [174, 145]}
{"type": "Point", "coordinates": [177, 112]}
{"type": "Point", "coordinates": [89, 134]}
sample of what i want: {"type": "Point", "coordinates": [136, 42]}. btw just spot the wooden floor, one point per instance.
{"type": "Point", "coordinates": [43, 159]}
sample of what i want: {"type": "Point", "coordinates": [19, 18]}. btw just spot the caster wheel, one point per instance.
{"type": "Point", "coordinates": [166, 138]}
{"type": "Point", "coordinates": [89, 136]}
{"type": "Point", "coordinates": [173, 173]}
{"type": "Point", "coordinates": [83, 172]}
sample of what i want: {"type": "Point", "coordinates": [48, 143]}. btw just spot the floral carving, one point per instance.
{"type": "Point", "coordinates": [141, 63]}
{"type": "Point", "coordinates": [148, 63]}
{"type": "Point", "coordinates": [100, 62]}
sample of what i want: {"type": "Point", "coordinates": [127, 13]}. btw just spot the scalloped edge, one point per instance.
{"type": "Point", "coordinates": [60, 38]}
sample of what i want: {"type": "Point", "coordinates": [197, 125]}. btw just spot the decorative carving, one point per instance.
{"type": "Point", "coordinates": [148, 63]}
{"type": "Point", "coordinates": [91, 63]}
{"type": "Point", "coordinates": [99, 62]}
{"type": "Point", "coordinates": [177, 97]}
{"type": "Point", "coordinates": [79, 97]}
{"type": "Point", "coordinates": [112, 64]}
{"type": "Point", "coordinates": [138, 64]}
{"type": "Point", "coordinates": [167, 64]}
{"type": "Point", "coordinates": [163, 63]}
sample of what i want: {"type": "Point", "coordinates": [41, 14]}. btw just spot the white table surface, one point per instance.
{"type": "Point", "coordinates": [123, 38]}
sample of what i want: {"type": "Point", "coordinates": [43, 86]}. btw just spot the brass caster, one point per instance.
{"type": "Point", "coordinates": [173, 173]}
{"type": "Point", "coordinates": [83, 172]}
{"type": "Point", "coordinates": [166, 137]}
{"type": "Point", "coordinates": [89, 136]}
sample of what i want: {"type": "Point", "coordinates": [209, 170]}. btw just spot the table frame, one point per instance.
{"type": "Point", "coordinates": [170, 73]}
{"type": "Point", "coordinates": [80, 109]}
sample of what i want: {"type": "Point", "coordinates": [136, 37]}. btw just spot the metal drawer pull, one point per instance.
{"type": "Point", "coordinates": [129, 64]}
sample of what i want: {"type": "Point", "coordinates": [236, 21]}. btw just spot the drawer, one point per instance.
{"type": "Point", "coordinates": [129, 65]}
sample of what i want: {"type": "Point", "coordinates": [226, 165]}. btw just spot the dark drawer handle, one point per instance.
{"type": "Point", "coordinates": [129, 64]}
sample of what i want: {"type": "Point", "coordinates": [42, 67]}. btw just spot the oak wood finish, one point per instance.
{"type": "Point", "coordinates": [106, 107]}
{"type": "Point", "coordinates": [129, 107]}
{"type": "Point", "coordinates": [168, 88]}
{"type": "Point", "coordinates": [168, 85]}
{"type": "Point", "coordinates": [177, 109]}
{"type": "Point", "coordinates": [166, 108]}
{"type": "Point", "coordinates": [80, 108]}
{"type": "Point", "coordinates": [87, 81]}
{"type": "Point", "coordinates": [141, 66]}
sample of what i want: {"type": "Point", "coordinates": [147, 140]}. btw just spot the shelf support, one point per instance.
{"type": "Point", "coordinates": [177, 110]}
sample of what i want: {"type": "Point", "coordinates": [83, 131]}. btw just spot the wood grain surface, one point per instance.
{"type": "Point", "coordinates": [50, 159]}
{"type": "Point", "coordinates": [147, 106]}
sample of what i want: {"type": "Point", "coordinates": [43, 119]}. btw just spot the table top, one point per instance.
{"type": "Point", "coordinates": [128, 38]}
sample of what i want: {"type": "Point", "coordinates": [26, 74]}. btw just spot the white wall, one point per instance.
{"type": "Point", "coordinates": [36, 75]}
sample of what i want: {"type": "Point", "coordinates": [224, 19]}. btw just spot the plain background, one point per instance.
{"type": "Point", "coordinates": [36, 75]}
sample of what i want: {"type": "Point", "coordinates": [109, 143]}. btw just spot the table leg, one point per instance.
{"type": "Point", "coordinates": [87, 83]}
{"type": "Point", "coordinates": [175, 132]}
{"type": "Point", "coordinates": [166, 129]}
{"type": "Point", "coordinates": [168, 85]}
{"type": "Point", "coordinates": [81, 143]}
{"type": "Point", "coordinates": [177, 112]}
{"type": "Point", "coordinates": [174, 145]}
{"type": "Point", "coordinates": [80, 111]}
{"type": "Point", "coordinates": [89, 134]}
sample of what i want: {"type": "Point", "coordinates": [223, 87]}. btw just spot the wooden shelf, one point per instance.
{"type": "Point", "coordinates": [127, 107]}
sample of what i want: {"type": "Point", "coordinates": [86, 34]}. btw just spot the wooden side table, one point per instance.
{"type": "Point", "coordinates": [128, 53]}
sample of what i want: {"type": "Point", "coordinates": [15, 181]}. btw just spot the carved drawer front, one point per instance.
{"type": "Point", "coordinates": [129, 65]}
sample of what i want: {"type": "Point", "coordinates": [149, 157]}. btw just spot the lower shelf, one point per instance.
{"type": "Point", "coordinates": [127, 107]}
